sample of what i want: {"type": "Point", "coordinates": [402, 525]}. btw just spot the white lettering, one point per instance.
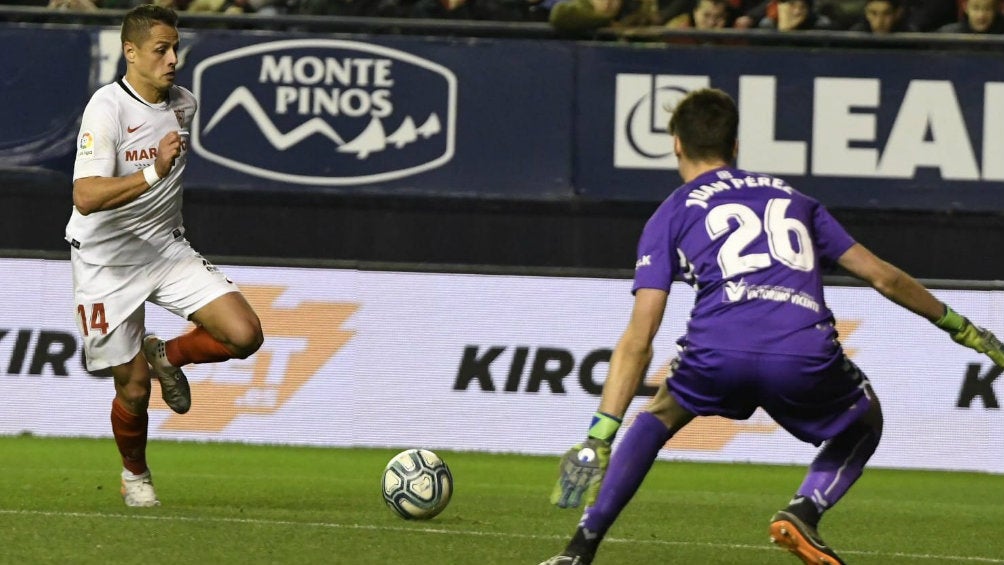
{"type": "Point", "coordinates": [928, 131]}
{"type": "Point", "coordinates": [284, 96]}
{"type": "Point", "coordinates": [381, 74]}
{"type": "Point", "coordinates": [835, 126]}
{"type": "Point", "coordinates": [300, 87]}
{"type": "Point", "coordinates": [326, 102]}
{"type": "Point", "coordinates": [276, 71]}
{"type": "Point", "coordinates": [760, 151]}
{"type": "Point", "coordinates": [352, 102]}
{"type": "Point", "coordinates": [304, 98]}
{"type": "Point", "coordinates": [930, 106]}
{"type": "Point", "coordinates": [993, 131]}
{"type": "Point", "coordinates": [355, 102]}
{"type": "Point", "coordinates": [328, 71]}
{"type": "Point", "coordinates": [700, 195]}
{"type": "Point", "coordinates": [734, 293]}
{"type": "Point", "coordinates": [308, 70]}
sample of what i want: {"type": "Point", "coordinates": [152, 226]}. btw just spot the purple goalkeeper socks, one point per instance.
{"type": "Point", "coordinates": [629, 464]}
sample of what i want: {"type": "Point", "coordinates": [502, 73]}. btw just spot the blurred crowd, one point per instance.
{"type": "Point", "coordinates": [497, 10]}
{"type": "Point", "coordinates": [860, 16]}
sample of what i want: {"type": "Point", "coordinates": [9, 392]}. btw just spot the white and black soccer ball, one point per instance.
{"type": "Point", "coordinates": [417, 484]}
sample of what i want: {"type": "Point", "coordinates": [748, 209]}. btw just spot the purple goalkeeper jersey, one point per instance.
{"type": "Point", "coordinates": [754, 249]}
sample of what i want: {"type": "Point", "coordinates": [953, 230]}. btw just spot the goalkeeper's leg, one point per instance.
{"type": "Point", "coordinates": [841, 461]}
{"type": "Point", "coordinates": [629, 464]}
{"type": "Point", "coordinates": [835, 469]}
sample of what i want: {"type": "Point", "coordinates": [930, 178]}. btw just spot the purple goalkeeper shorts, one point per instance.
{"type": "Point", "coordinates": [814, 398]}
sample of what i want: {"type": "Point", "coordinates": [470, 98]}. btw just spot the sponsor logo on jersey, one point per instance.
{"type": "Point", "coordinates": [738, 291]}
{"type": "Point", "coordinates": [141, 154]}
{"type": "Point", "coordinates": [132, 129]}
{"type": "Point", "coordinates": [324, 112]}
{"type": "Point", "coordinates": [735, 291]}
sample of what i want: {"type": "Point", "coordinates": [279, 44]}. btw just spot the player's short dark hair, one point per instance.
{"type": "Point", "coordinates": [138, 21]}
{"type": "Point", "coordinates": [706, 122]}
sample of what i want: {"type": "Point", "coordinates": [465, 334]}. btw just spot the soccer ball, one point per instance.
{"type": "Point", "coordinates": [417, 484]}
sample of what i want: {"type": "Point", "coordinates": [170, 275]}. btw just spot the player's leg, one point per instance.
{"type": "Point", "coordinates": [629, 464]}
{"type": "Point", "coordinates": [227, 328]}
{"type": "Point", "coordinates": [129, 411]}
{"type": "Point", "coordinates": [837, 466]}
{"type": "Point", "coordinates": [129, 427]}
{"type": "Point", "coordinates": [662, 417]}
{"type": "Point", "coordinates": [843, 413]}
{"type": "Point", "coordinates": [226, 325]}
{"type": "Point", "coordinates": [109, 308]}
{"type": "Point", "coordinates": [840, 462]}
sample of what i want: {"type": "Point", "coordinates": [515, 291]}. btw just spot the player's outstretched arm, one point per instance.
{"type": "Point", "coordinates": [583, 466]}
{"type": "Point", "coordinates": [906, 291]}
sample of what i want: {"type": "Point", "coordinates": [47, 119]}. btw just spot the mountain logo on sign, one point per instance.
{"type": "Point", "coordinates": [370, 140]}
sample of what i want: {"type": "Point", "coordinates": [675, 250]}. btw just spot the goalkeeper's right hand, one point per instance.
{"type": "Point", "coordinates": [581, 472]}
{"type": "Point", "coordinates": [972, 336]}
{"type": "Point", "coordinates": [583, 466]}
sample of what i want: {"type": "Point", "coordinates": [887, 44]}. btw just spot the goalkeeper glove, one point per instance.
{"type": "Point", "coordinates": [972, 336]}
{"type": "Point", "coordinates": [583, 466]}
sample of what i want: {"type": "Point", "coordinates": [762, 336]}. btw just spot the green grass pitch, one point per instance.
{"type": "Point", "coordinates": [241, 504]}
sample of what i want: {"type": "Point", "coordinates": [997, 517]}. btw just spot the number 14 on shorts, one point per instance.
{"type": "Point", "coordinates": [96, 321]}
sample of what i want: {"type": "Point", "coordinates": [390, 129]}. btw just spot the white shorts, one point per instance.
{"type": "Point", "coordinates": [109, 301]}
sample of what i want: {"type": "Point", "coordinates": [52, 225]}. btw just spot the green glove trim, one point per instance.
{"type": "Point", "coordinates": [952, 321]}
{"type": "Point", "coordinates": [604, 427]}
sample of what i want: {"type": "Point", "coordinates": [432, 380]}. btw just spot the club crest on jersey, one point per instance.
{"type": "Point", "coordinates": [375, 113]}
{"type": "Point", "coordinates": [180, 115]}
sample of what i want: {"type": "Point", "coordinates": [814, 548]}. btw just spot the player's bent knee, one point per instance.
{"type": "Point", "coordinates": [247, 342]}
{"type": "Point", "coordinates": [132, 384]}
{"type": "Point", "coordinates": [135, 398]}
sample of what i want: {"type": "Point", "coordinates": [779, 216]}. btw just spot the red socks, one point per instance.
{"type": "Point", "coordinates": [130, 436]}
{"type": "Point", "coordinates": [197, 346]}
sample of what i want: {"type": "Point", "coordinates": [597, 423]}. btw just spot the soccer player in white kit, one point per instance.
{"type": "Point", "coordinates": [128, 245]}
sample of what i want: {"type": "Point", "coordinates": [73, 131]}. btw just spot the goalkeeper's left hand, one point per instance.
{"type": "Point", "coordinates": [581, 472]}
{"type": "Point", "coordinates": [972, 336]}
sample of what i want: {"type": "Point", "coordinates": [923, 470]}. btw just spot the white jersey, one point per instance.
{"type": "Point", "coordinates": [119, 135]}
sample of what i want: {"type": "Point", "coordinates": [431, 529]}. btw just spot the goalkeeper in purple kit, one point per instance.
{"type": "Point", "coordinates": [760, 336]}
